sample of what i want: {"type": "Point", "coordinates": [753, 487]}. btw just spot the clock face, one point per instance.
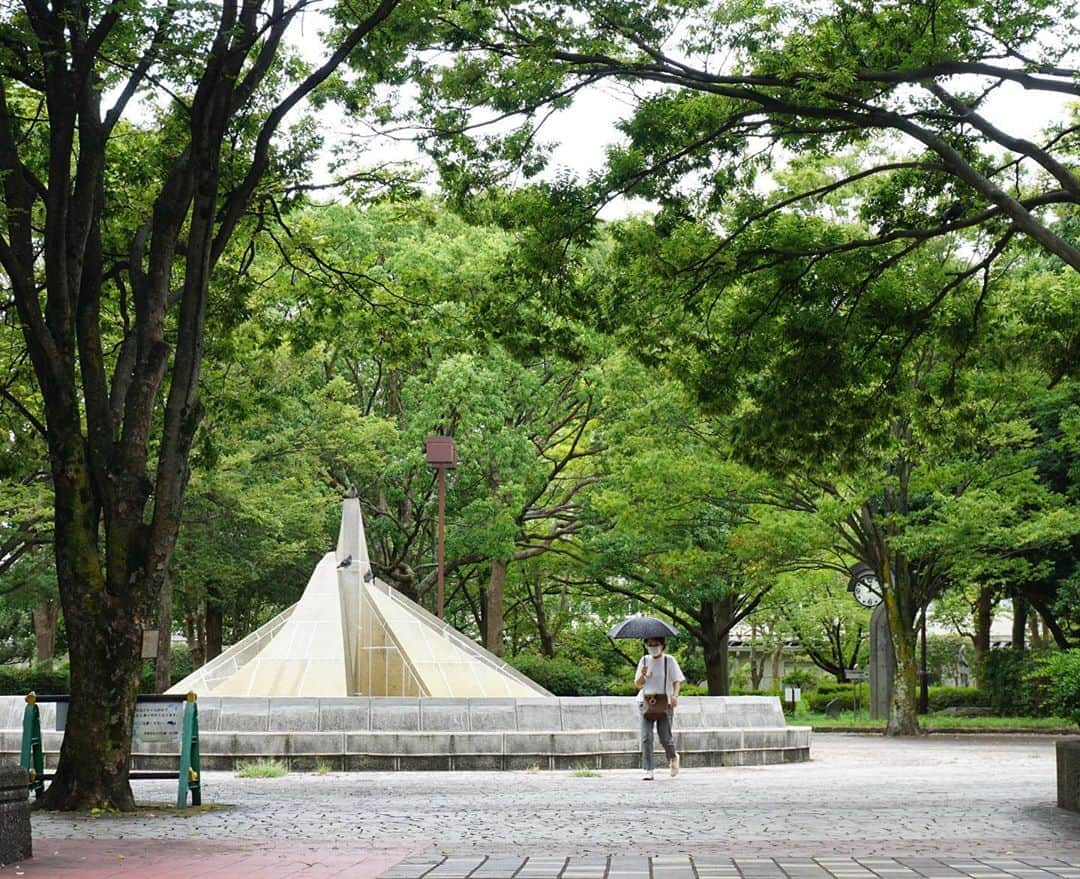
{"type": "Point", "coordinates": [868, 591]}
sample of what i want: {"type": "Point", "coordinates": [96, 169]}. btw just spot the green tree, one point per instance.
{"type": "Point", "coordinates": [903, 424]}
{"type": "Point", "coordinates": [109, 258]}
{"type": "Point", "coordinates": [427, 338]}
{"type": "Point", "coordinates": [731, 91]}
{"type": "Point", "coordinates": [675, 527]}
{"type": "Point", "coordinates": [830, 627]}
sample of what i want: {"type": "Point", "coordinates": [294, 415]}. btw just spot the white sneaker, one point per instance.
{"type": "Point", "coordinates": [674, 764]}
{"type": "Point", "coordinates": [647, 776]}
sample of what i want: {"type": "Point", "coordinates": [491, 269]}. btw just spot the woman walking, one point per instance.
{"type": "Point", "coordinates": [659, 678]}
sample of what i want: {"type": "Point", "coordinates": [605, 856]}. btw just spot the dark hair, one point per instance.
{"type": "Point", "coordinates": [663, 641]}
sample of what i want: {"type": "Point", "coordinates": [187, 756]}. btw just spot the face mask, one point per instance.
{"type": "Point", "coordinates": [655, 650]}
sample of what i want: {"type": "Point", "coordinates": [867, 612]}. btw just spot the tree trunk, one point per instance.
{"type": "Point", "coordinates": [1019, 623]}
{"type": "Point", "coordinates": [213, 626]}
{"type": "Point", "coordinates": [777, 664]}
{"type": "Point", "coordinates": [547, 639]}
{"type": "Point", "coordinates": [193, 631]}
{"type": "Point", "coordinates": [494, 606]}
{"type": "Point", "coordinates": [716, 617]}
{"type": "Point", "coordinates": [104, 632]}
{"type": "Point", "coordinates": [163, 661]}
{"type": "Point", "coordinates": [899, 606]}
{"type": "Point", "coordinates": [717, 671]}
{"type": "Point", "coordinates": [45, 614]}
{"type": "Point", "coordinates": [1038, 634]}
{"type": "Point", "coordinates": [984, 615]}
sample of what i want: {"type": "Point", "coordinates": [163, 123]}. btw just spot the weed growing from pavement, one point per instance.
{"type": "Point", "coordinates": [261, 769]}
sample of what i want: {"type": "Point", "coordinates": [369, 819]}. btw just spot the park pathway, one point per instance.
{"type": "Point", "coordinates": [865, 807]}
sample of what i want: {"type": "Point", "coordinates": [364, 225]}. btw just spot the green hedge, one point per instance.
{"type": "Point", "coordinates": [622, 686]}
{"type": "Point", "coordinates": [957, 697]}
{"type": "Point", "coordinates": [819, 701]}
{"type": "Point", "coordinates": [1054, 681]}
{"type": "Point", "coordinates": [1032, 683]}
{"type": "Point", "coordinates": [561, 676]}
{"type": "Point", "coordinates": [16, 680]}
{"type": "Point", "coordinates": [1003, 680]}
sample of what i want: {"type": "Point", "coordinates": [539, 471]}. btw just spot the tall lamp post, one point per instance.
{"type": "Point", "coordinates": [442, 455]}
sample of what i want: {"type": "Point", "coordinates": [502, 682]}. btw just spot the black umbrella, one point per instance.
{"type": "Point", "coordinates": [642, 627]}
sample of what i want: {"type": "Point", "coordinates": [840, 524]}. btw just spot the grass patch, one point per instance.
{"type": "Point", "coordinates": [944, 721]}
{"type": "Point", "coordinates": [848, 720]}
{"type": "Point", "coordinates": [585, 772]}
{"type": "Point", "coordinates": [533, 770]}
{"type": "Point", "coordinates": [322, 767]}
{"type": "Point", "coordinates": [261, 769]}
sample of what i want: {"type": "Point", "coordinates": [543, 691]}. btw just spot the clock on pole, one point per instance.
{"type": "Point", "coordinates": [864, 586]}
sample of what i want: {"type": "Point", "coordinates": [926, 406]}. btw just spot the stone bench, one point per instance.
{"type": "Point", "coordinates": [15, 842]}
{"type": "Point", "coordinates": [1068, 774]}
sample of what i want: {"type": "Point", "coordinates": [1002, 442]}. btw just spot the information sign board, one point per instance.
{"type": "Point", "coordinates": [158, 722]}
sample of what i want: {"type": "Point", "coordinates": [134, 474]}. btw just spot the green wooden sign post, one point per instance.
{"type": "Point", "coordinates": [189, 774]}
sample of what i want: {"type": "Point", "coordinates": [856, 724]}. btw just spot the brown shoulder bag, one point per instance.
{"type": "Point", "coordinates": [656, 704]}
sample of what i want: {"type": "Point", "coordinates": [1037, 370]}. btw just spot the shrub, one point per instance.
{"type": "Point", "coordinates": [819, 701]}
{"type": "Point", "coordinates": [1055, 680]}
{"type": "Point", "coordinates": [957, 697]}
{"type": "Point", "coordinates": [561, 676]}
{"type": "Point", "coordinates": [1003, 679]}
{"type": "Point", "coordinates": [41, 679]}
{"type": "Point", "coordinates": [621, 687]}
{"type": "Point", "coordinates": [16, 680]}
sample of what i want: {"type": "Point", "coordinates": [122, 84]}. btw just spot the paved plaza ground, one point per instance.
{"type": "Point", "coordinates": [864, 807]}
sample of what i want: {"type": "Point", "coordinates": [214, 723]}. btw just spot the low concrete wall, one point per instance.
{"type": "Point", "coordinates": [362, 733]}
{"type": "Point", "coordinates": [1068, 774]}
{"type": "Point", "coordinates": [15, 843]}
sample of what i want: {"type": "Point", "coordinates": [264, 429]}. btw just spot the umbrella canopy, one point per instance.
{"type": "Point", "coordinates": [643, 627]}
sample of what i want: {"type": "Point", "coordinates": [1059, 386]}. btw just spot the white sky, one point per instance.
{"type": "Point", "coordinates": [582, 134]}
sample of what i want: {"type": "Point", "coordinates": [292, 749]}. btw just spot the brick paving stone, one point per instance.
{"type": "Point", "coordinates": [455, 868]}
{"type": "Point", "coordinates": [585, 868]}
{"type": "Point", "coordinates": [542, 868]}
{"type": "Point", "coordinates": [498, 868]}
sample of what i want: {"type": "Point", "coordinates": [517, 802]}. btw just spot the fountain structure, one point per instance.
{"type": "Point", "coordinates": [357, 676]}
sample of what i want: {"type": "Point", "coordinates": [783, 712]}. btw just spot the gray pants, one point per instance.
{"type": "Point", "coordinates": [663, 729]}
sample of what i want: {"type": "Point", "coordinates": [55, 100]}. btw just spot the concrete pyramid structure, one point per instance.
{"type": "Point", "coordinates": [353, 635]}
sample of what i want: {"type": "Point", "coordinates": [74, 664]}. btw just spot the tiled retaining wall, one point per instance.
{"type": "Point", "coordinates": [388, 733]}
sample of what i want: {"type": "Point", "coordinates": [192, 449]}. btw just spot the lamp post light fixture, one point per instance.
{"type": "Point", "coordinates": [442, 455]}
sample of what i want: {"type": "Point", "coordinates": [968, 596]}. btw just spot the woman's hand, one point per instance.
{"type": "Point", "coordinates": [674, 701]}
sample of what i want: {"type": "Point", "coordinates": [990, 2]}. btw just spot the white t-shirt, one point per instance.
{"type": "Point", "coordinates": [654, 683]}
